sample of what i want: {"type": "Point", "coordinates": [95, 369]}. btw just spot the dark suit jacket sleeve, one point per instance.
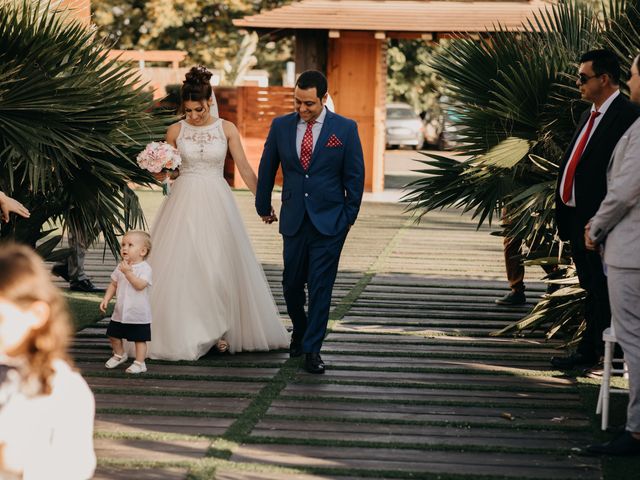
{"type": "Point", "coordinates": [353, 174]}
{"type": "Point", "coordinates": [267, 170]}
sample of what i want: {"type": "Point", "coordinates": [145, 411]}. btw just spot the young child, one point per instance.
{"type": "Point", "coordinates": [46, 408]}
{"type": "Point", "coordinates": [131, 319]}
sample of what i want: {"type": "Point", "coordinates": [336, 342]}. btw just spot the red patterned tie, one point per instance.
{"type": "Point", "coordinates": [307, 146]}
{"type": "Point", "coordinates": [567, 188]}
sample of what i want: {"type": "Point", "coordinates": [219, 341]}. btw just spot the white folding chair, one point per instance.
{"type": "Point", "coordinates": [609, 338]}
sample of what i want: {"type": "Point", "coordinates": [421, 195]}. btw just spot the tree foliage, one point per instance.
{"type": "Point", "coordinates": [71, 123]}
{"type": "Point", "coordinates": [518, 106]}
{"type": "Point", "coordinates": [410, 76]}
{"type": "Point", "coordinates": [202, 28]}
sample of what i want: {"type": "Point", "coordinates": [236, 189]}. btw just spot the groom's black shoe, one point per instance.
{"type": "Point", "coordinates": [295, 349]}
{"type": "Point", "coordinates": [313, 363]}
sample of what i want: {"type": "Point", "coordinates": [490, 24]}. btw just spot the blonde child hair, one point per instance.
{"type": "Point", "coordinates": [23, 281]}
{"type": "Point", "coordinates": [144, 236]}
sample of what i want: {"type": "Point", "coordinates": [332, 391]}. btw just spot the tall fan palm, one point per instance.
{"type": "Point", "coordinates": [518, 106]}
{"type": "Point", "coordinates": [71, 122]}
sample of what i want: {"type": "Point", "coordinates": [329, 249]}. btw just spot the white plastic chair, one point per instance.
{"type": "Point", "coordinates": [609, 338]}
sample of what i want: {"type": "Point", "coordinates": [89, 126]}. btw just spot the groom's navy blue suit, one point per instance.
{"type": "Point", "coordinates": [318, 207]}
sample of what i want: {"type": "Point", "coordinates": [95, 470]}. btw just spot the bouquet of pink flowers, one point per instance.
{"type": "Point", "coordinates": [158, 157]}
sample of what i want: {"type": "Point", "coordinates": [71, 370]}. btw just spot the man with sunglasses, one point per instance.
{"type": "Point", "coordinates": [581, 187]}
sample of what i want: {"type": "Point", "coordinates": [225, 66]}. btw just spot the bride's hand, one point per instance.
{"type": "Point", "coordinates": [160, 176]}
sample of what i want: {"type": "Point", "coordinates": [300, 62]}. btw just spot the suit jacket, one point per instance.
{"type": "Point", "coordinates": [591, 173]}
{"type": "Point", "coordinates": [618, 218]}
{"type": "Point", "coordinates": [330, 191]}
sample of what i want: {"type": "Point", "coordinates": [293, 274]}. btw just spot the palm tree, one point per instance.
{"type": "Point", "coordinates": [71, 122]}
{"type": "Point", "coordinates": [515, 96]}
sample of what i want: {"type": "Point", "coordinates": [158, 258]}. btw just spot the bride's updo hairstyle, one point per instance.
{"type": "Point", "coordinates": [196, 86]}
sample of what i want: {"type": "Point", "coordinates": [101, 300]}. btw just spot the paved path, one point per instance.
{"type": "Point", "coordinates": [415, 387]}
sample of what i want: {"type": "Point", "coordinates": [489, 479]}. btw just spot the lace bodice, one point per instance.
{"type": "Point", "coordinates": [203, 149]}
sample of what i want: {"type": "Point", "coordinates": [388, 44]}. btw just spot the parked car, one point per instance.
{"type": "Point", "coordinates": [441, 131]}
{"type": "Point", "coordinates": [451, 137]}
{"type": "Point", "coordinates": [403, 126]}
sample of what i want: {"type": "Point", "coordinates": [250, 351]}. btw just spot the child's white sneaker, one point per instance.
{"type": "Point", "coordinates": [137, 367]}
{"type": "Point", "coordinates": [116, 360]}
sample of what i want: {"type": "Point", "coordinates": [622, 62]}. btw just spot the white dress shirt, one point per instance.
{"type": "Point", "coordinates": [132, 305]}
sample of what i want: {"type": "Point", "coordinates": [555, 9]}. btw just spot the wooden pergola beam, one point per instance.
{"type": "Point", "coordinates": [170, 56]}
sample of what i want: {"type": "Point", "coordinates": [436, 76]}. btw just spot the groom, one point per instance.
{"type": "Point", "coordinates": [323, 180]}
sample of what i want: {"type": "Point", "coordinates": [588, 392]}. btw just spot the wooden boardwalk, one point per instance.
{"type": "Point", "coordinates": [415, 386]}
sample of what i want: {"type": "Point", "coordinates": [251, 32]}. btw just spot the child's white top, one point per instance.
{"type": "Point", "coordinates": [48, 436]}
{"type": "Point", "coordinates": [132, 306]}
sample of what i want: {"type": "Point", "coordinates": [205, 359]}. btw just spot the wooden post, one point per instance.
{"type": "Point", "coordinates": [311, 50]}
{"type": "Point", "coordinates": [357, 83]}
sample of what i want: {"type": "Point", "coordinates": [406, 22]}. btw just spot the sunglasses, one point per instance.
{"type": "Point", "coordinates": [583, 78]}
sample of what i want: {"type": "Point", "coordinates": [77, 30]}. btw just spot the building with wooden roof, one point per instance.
{"type": "Point", "coordinates": [412, 16]}
{"type": "Point", "coordinates": [346, 39]}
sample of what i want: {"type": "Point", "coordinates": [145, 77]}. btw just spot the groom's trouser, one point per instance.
{"type": "Point", "coordinates": [310, 258]}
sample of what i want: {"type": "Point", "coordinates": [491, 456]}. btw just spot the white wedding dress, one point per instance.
{"type": "Point", "coordinates": [207, 282]}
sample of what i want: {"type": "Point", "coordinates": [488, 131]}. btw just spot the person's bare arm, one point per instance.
{"type": "Point", "coordinates": [239, 157]}
{"type": "Point", "coordinates": [137, 282]}
{"type": "Point", "coordinates": [10, 205]}
{"type": "Point", "coordinates": [171, 138]}
{"type": "Point", "coordinates": [108, 295]}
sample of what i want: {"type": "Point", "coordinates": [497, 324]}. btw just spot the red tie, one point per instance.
{"type": "Point", "coordinates": [575, 159]}
{"type": "Point", "coordinates": [307, 146]}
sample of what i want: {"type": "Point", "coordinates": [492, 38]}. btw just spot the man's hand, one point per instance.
{"type": "Point", "coordinates": [269, 219]}
{"type": "Point", "coordinates": [588, 243]}
{"type": "Point", "coordinates": [9, 205]}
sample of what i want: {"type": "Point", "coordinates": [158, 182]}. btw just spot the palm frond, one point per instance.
{"type": "Point", "coordinates": [71, 123]}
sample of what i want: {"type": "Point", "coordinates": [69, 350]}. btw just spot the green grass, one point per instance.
{"type": "Point", "coordinates": [84, 308]}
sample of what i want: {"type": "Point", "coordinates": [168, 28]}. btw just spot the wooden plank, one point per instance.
{"type": "Point", "coordinates": [450, 462]}
{"type": "Point", "coordinates": [149, 450]}
{"type": "Point", "coordinates": [114, 473]}
{"type": "Point", "coordinates": [126, 423]}
{"type": "Point", "coordinates": [175, 386]}
{"type": "Point", "coordinates": [374, 338]}
{"type": "Point", "coordinates": [449, 413]}
{"type": "Point", "coordinates": [418, 434]}
{"type": "Point", "coordinates": [431, 378]}
{"type": "Point", "coordinates": [153, 403]}
{"type": "Point", "coordinates": [425, 348]}
{"type": "Point", "coordinates": [223, 473]}
{"type": "Point", "coordinates": [188, 370]}
{"type": "Point", "coordinates": [399, 394]}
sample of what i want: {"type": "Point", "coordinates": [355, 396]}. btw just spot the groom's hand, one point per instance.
{"type": "Point", "coordinates": [269, 219]}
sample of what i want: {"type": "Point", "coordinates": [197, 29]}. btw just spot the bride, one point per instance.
{"type": "Point", "coordinates": [208, 287]}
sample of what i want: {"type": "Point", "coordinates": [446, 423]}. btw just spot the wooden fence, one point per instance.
{"type": "Point", "coordinates": [252, 109]}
